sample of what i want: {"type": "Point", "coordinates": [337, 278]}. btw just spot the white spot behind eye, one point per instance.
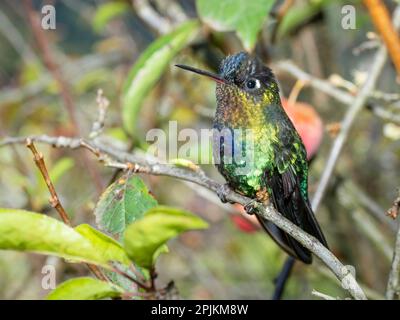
{"type": "Point", "coordinates": [258, 84]}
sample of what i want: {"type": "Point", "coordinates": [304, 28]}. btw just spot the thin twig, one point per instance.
{"type": "Point", "coordinates": [150, 165]}
{"type": "Point", "coordinates": [322, 295]}
{"type": "Point", "coordinates": [102, 105]}
{"type": "Point", "coordinates": [393, 286]}
{"type": "Point", "coordinates": [347, 124]}
{"type": "Point", "coordinates": [340, 95]}
{"type": "Point", "coordinates": [365, 224]}
{"type": "Point", "coordinates": [54, 199]}
{"type": "Point", "coordinates": [145, 11]}
{"type": "Point", "coordinates": [350, 188]}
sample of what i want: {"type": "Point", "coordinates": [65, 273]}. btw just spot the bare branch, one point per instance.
{"type": "Point", "coordinates": [340, 95]}
{"type": "Point", "coordinates": [149, 165]}
{"type": "Point", "coordinates": [322, 295]}
{"type": "Point", "coordinates": [347, 123]}
{"type": "Point", "coordinates": [393, 286]}
{"type": "Point", "coordinates": [145, 11]}
{"type": "Point", "coordinates": [350, 188]}
{"type": "Point", "coordinates": [54, 199]}
{"type": "Point", "coordinates": [102, 105]}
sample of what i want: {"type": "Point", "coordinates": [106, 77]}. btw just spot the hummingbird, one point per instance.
{"type": "Point", "coordinates": [269, 159]}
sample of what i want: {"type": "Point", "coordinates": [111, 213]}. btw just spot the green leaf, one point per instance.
{"type": "Point", "coordinates": [148, 69]}
{"type": "Point", "coordinates": [110, 249]}
{"type": "Point", "coordinates": [84, 289]}
{"type": "Point", "coordinates": [144, 239]}
{"type": "Point", "coordinates": [244, 17]}
{"type": "Point", "coordinates": [297, 15]}
{"type": "Point", "coordinates": [106, 12]}
{"type": "Point", "coordinates": [122, 203]}
{"type": "Point", "coordinates": [28, 231]}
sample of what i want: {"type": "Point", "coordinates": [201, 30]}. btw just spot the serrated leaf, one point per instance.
{"type": "Point", "coordinates": [149, 68]}
{"type": "Point", "coordinates": [122, 203]}
{"type": "Point", "coordinates": [28, 231]}
{"type": "Point", "coordinates": [244, 17]}
{"type": "Point", "coordinates": [144, 239]}
{"type": "Point", "coordinates": [84, 289]}
{"type": "Point", "coordinates": [107, 11]}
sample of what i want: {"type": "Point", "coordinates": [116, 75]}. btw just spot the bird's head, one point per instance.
{"type": "Point", "coordinates": [242, 80]}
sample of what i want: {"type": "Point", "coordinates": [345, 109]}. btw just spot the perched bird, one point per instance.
{"type": "Point", "coordinates": [310, 127]}
{"type": "Point", "coordinates": [263, 157]}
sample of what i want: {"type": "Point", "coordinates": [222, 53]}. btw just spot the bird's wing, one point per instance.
{"type": "Point", "coordinates": [285, 193]}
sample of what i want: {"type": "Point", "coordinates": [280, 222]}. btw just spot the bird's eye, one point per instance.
{"type": "Point", "coordinates": [252, 84]}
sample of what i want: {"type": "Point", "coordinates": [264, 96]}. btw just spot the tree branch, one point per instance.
{"type": "Point", "coordinates": [54, 199]}
{"type": "Point", "coordinates": [340, 95]}
{"type": "Point", "coordinates": [393, 286]}
{"type": "Point", "coordinates": [347, 123]}
{"type": "Point", "coordinates": [143, 163]}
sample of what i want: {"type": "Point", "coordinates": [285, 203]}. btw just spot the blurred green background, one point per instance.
{"type": "Point", "coordinates": [95, 44]}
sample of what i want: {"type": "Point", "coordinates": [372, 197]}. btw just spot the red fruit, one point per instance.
{"type": "Point", "coordinates": [307, 123]}
{"type": "Point", "coordinates": [243, 221]}
{"type": "Point", "coordinates": [243, 224]}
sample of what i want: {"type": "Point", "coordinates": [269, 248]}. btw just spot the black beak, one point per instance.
{"type": "Point", "coordinates": [211, 75]}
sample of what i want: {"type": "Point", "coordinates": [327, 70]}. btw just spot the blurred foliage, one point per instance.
{"type": "Point", "coordinates": [109, 45]}
{"type": "Point", "coordinates": [106, 12]}
{"type": "Point", "coordinates": [148, 69]}
{"type": "Point", "coordinates": [244, 17]}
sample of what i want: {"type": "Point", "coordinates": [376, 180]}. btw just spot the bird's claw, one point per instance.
{"type": "Point", "coordinates": [251, 207]}
{"type": "Point", "coordinates": [222, 192]}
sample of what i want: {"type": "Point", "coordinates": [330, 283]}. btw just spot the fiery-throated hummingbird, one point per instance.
{"type": "Point", "coordinates": [268, 158]}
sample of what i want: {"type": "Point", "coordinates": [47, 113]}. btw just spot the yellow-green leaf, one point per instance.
{"type": "Point", "coordinates": [143, 238]}
{"type": "Point", "coordinates": [107, 11]}
{"type": "Point", "coordinates": [110, 249]}
{"type": "Point", "coordinates": [28, 231]}
{"type": "Point", "coordinates": [149, 68]}
{"type": "Point", "coordinates": [84, 289]}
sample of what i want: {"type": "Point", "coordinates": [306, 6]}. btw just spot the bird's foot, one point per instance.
{"type": "Point", "coordinates": [251, 207]}
{"type": "Point", "coordinates": [222, 192]}
{"type": "Point", "coordinates": [262, 196]}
